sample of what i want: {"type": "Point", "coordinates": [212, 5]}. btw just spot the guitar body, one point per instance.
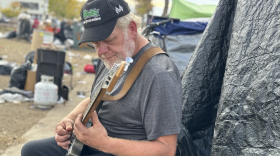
{"type": "Point", "coordinates": [76, 148]}
{"type": "Point", "coordinates": [108, 83]}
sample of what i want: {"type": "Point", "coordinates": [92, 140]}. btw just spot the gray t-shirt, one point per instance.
{"type": "Point", "coordinates": [152, 107]}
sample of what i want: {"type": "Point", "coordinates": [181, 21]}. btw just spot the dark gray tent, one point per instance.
{"type": "Point", "coordinates": [232, 84]}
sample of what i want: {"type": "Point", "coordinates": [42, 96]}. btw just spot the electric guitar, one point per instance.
{"type": "Point", "coordinates": [107, 85]}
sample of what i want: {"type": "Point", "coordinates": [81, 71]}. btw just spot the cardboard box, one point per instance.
{"type": "Point", "coordinates": [39, 38]}
{"type": "Point", "coordinates": [30, 81]}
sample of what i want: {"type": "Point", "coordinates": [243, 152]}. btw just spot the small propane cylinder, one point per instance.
{"type": "Point", "coordinates": [46, 92]}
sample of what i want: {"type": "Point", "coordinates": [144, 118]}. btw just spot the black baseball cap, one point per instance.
{"type": "Point", "coordinates": [99, 18]}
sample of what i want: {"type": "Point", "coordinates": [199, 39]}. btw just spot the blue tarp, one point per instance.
{"type": "Point", "coordinates": [180, 27]}
{"type": "Point", "coordinates": [181, 38]}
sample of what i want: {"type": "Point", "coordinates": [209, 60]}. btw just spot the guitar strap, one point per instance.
{"type": "Point", "coordinates": [136, 70]}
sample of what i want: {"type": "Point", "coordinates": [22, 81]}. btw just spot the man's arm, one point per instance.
{"type": "Point", "coordinates": [80, 108]}
{"type": "Point", "coordinates": [97, 137]}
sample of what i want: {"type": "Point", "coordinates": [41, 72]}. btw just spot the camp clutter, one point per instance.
{"type": "Point", "coordinates": [40, 78]}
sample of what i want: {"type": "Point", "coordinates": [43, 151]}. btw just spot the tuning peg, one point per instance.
{"type": "Point", "coordinates": [128, 61]}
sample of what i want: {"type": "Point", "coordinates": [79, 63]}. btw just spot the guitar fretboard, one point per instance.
{"type": "Point", "coordinates": [110, 73]}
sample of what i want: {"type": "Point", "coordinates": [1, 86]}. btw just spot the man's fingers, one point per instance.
{"type": "Point", "coordinates": [58, 127]}
{"type": "Point", "coordinates": [63, 132]}
{"type": "Point", "coordinates": [64, 145]}
{"type": "Point", "coordinates": [78, 124]}
{"type": "Point", "coordinates": [69, 126]}
{"type": "Point", "coordinates": [79, 117]}
{"type": "Point", "coordinates": [60, 130]}
{"type": "Point", "coordinates": [64, 128]}
{"type": "Point", "coordinates": [63, 138]}
{"type": "Point", "coordinates": [94, 118]}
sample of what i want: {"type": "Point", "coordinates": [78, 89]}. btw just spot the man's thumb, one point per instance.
{"type": "Point", "coordinates": [94, 118]}
{"type": "Point", "coordinates": [68, 126]}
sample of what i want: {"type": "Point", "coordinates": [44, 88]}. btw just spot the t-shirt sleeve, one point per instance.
{"type": "Point", "coordinates": [164, 106]}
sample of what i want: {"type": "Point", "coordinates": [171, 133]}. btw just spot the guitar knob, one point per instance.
{"type": "Point", "coordinates": [128, 61]}
{"type": "Point", "coordinates": [109, 78]}
{"type": "Point", "coordinates": [107, 82]}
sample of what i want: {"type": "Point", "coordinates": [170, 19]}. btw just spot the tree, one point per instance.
{"type": "Point", "coordinates": [143, 7]}
{"type": "Point", "coordinates": [65, 8]}
{"type": "Point", "coordinates": [13, 10]}
{"type": "Point", "coordinates": [165, 8]}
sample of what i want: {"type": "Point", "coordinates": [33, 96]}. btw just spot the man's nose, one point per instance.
{"type": "Point", "coordinates": [102, 48]}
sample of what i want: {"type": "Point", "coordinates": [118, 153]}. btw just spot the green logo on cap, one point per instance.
{"type": "Point", "coordinates": [90, 13]}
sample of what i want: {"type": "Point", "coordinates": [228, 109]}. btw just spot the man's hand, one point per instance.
{"type": "Point", "coordinates": [95, 136]}
{"type": "Point", "coordinates": [63, 132]}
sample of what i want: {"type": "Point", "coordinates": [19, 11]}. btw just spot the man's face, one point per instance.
{"type": "Point", "coordinates": [116, 48]}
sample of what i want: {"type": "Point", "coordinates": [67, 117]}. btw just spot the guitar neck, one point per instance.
{"type": "Point", "coordinates": [92, 106]}
{"type": "Point", "coordinates": [107, 84]}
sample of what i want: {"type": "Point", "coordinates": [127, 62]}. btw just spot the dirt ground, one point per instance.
{"type": "Point", "coordinates": [16, 119]}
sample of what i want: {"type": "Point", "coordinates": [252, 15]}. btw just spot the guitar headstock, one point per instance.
{"type": "Point", "coordinates": [115, 73]}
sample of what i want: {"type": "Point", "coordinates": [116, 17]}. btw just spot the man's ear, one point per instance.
{"type": "Point", "coordinates": [132, 29]}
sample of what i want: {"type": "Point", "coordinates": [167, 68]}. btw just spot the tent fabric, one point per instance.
{"type": "Point", "coordinates": [248, 114]}
{"type": "Point", "coordinates": [180, 49]}
{"type": "Point", "coordinates": [231, 85]}
{"type": "Point", "coordinates": [184, 10]}
{"type": "Point", "coordinates": [202, 83]}
{"type": "Point", "coordinates": [177, 27]}
{"type": "Point", "coordinates": [181, 28]}
{"type": "Point", "coordinates": [180, 39]}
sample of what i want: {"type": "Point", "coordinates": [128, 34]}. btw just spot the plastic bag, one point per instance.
{"type": "Point", "coordinates": [30, 56]}
{"type": "Point", "coordinates": [5, 67]}
{"type": "Point", "coordinates": [18, 75]}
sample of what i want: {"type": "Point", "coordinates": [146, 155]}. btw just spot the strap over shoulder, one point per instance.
{"type": "Point", "coordinates": [136, 70]}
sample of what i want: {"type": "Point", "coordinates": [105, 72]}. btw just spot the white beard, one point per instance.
{"type": "Point", "coordinates": [127, 51]}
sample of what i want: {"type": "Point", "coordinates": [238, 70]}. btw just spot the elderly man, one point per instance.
{"type": "Point", "coordinates": [147, 119]}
